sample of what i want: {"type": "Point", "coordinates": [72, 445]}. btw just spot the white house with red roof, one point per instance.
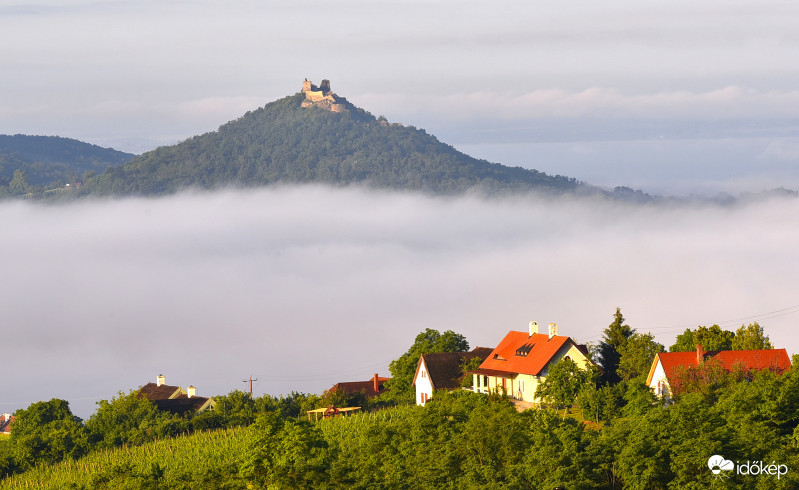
{"type": "Point", "coordinates": [443, 371]}
{"type": "Point", "coordinates": [522, 360]}
{"type": "Point", "coordinates": [666, 364]}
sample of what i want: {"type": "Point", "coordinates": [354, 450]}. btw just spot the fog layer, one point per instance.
{"type": "Point", "coordinates": [303, 287]}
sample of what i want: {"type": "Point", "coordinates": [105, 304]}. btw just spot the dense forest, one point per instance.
{"type": "Point", "coordinates": [285, 143]}
{"type": "Point", "coordinates": [600, 432]}
{"type": "Point", "coordinates": [50, 161]}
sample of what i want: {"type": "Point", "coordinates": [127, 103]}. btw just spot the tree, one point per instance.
{"type": "Point", "coordinates": [126, 419]}
{"type": "Point", "coordinates": [286, 453]}
{"type": "Point", "coordinates": [400, 386]}
{"type": "Point", "coordinates": [47, 432]}
{"type": "Point", "coordinates": [710, 338]}
{"type": "Point", "coordinates": [563, 381]}
{"type": "Point", "coordinates": [751, 337]}
{"type": "Point", "coordinates": [19, 184]}
{"type": "Point", "coordinates": [613, 340]}
{"type": "Point", "coordinates": [636, 356]}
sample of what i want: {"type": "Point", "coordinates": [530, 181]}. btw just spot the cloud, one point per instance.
{"type": "Point", "coordinates": [307, 286]}
{"type": "Point", "coordinates": [605, 102]}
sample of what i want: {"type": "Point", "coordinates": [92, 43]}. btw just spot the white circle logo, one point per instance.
{"type": "Point", "coordinates": [717, 464]}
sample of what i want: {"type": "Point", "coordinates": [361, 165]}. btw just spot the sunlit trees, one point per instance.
{"type": "Point", "coordinates": [47, 432]}
{"type": "Point", "coordinates": [636, 356]}
{"type": "Point", "coordinates": [563, 381]}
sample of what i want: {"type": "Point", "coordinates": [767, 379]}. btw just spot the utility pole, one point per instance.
{"type": "Point", "coordinates": [250, 380]}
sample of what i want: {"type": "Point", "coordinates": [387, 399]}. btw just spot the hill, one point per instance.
{"type": "Point", "coordinates": [316, 136]}
{"type": "Point", "coordinates": [51, 159]}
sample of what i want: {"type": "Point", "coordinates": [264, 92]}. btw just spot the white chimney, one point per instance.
{"type": "Point", "coordinates": [553, 330]}
{"type": "Point", "coordinates": [533, 328]}
{"type": "Point", "coordinates": [160, 380]}
{"type": "Point", "coordinates": [191, 391]}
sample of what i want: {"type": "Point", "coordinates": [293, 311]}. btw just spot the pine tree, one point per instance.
{"type": "Point", "coordinates": [614, 338]}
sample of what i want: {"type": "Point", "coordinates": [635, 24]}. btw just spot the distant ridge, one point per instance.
{"type": "Point", "coordinates": [49, 159]}
{"type": "Point", "coordinates": [315, 136]}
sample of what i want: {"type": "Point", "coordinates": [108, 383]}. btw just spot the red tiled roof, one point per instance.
{"type": "Point", "coordinates": [352, 387]}
{"type": "Point", "coordinates": [5, 423]}
{"type": "Point", "coordinates": [776, 359]}
{"type": "Point", "coordinates": [522, 353]}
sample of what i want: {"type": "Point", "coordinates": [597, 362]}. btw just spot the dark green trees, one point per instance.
{"type": "Point", "coordinates": [47, 432]}
{"type": "Point", "coordinates": [613, 341]}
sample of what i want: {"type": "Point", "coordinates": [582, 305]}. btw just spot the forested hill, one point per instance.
{"type": "Point", "coordinates": [286, 143]}
{"type": "Point", "coordinates": [48, 159]}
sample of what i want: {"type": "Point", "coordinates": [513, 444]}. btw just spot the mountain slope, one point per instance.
{"type": "Point", "coordinates": [47, 159]}
{"type": "Point", "coordinates": [286, 143]}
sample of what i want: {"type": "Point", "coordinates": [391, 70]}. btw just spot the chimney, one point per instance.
{"type": "Point", "coordinates": [553, 330]}
{"type": "Point", "coordinates": [533, 328]}
{"type": "Point", "coordinates": [191, 391]}
{"type": "Point", "coordinates": [375, 383]}
{"type": "Point", "coordinates": [160, 380]}
{"type": "Point", "coordinates": [700, 354]}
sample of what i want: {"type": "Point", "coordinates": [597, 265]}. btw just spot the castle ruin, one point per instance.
{"type": "Point", "coordinates": [322, 96]}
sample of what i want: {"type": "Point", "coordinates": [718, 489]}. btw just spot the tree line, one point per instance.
{"type": "Point", "coordinates": [599, 428]}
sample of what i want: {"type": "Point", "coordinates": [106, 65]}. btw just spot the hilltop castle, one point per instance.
{"type": "Point", "coordinates": [322, 96]}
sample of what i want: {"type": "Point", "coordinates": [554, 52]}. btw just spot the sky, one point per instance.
{"type": "Point", "coordinates": [305, 287]}
{"type": "Point", "coordinates": [674, 97]}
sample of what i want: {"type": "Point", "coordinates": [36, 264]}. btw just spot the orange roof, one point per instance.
{"type": "Point", "coordinates": [522, 353]}
{"type": "Point", "coordinates": [776, 359]}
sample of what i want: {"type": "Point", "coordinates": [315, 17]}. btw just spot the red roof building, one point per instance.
{"type": "Point", "coordinates": [370, 388]}
{"type": "Point", "coordinates": [6, 420]}
{"type": "Point", "coordinates": [521, 362]}
{"type": "Point", "coordinates": [666, 364]}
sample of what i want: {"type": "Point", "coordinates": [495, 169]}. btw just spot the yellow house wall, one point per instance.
{"type": "Point", "coordinates": [523, 386]}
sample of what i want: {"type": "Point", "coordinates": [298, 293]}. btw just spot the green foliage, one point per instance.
{"type": "Point", "coordinates": [285, 143]}
{"type": "Point", "coordinates": [751, 337]}
{"type": "Point", "coordinates": [636, 356]}
{"type": "Point", "coordinates": [285, 453]}
{"type": "Point", "coordinates": [562, 383]}
{"type": "Point", "coordinates": [614, 338]}
{"type": "Point", "coordinates": [47, 432]}
{"type": "Point", "coordinates": [710, 338]}
{"type": "Point", "coordinates": [469, 365]}
{"type": "Point", "coordinates": [126, 419]}
{"type": "Point", "coordinates": [19, 183]}
{"type": "Point", "coordinates": [400, 386]}
{"type": "Point", "coordinates": [747, 337]}
{"type": "Point", "coordinates": [50, 160]}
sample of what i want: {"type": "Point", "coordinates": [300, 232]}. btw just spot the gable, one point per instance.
{"type": "Point", "coordinates": [443, 369]}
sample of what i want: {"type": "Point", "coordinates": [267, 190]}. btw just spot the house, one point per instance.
{"type": "Point", "coordinates": [370, 388]}
{"type": "Point", "coordinates": [6, 420]}
{"type": "Point", "coordinates": [443, 371]}
{"type": "Point", "coordinates": [666, 364]}
{"type": "Point", "coordinates": [175, 399]}
{"type": "Point", "coordinates": [522, 360]}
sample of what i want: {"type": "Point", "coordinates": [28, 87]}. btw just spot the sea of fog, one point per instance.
{"type": "Point", "coordinates": [670, 166]}
{"type": "Point", "coordinates": [302, 287]}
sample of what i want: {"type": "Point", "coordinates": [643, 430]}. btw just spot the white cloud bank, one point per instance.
{"type": "Point", "coordinates": [304, 287]}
